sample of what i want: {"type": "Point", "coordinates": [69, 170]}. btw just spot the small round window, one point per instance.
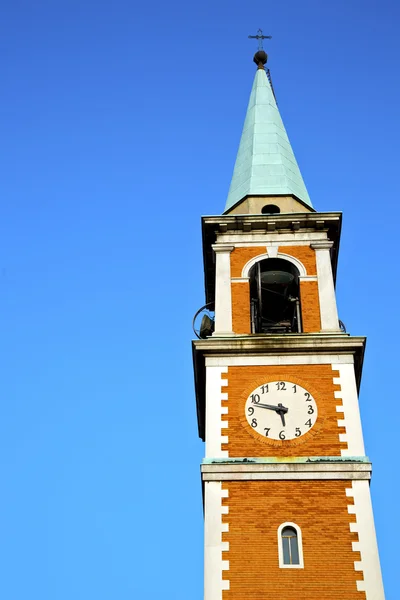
{"type": "Point", "coordinates": [270, 209]}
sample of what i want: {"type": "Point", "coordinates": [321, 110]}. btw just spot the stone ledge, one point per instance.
{"type": "Point", "coordinates": [289, 470]}
{"type": "Point", "coordinates": [252, 460]}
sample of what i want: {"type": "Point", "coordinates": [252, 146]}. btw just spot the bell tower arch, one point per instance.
{"type": "Point", "coordinates": [274, 297]}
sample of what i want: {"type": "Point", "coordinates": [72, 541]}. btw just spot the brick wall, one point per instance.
{"type": "Point", "coordinates": [304, 254]}
{"type": "Point", "coordinates": [320, 509]}
{"type": "Point", "coordinates": [241, 256]}
{"type": "Point", "coordinates": [321, 440]}
{"type": "Point", "coordinates": [241, 307]}
{"type": "Point", "coordinates": [310, 310]}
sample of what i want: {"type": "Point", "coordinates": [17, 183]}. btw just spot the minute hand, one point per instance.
{"type": "Point", "coordinates": [280, 408]}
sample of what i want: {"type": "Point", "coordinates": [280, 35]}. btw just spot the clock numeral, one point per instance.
{"type": "Point", "coordinates": [280, 385]}
{"type": "Point", "coordinates": [254, 423]}
{"type": "Point", "coordinates": [267, 430]}
{"type": "Point", "coordinates": [255, 398]}
{"type": "Point", "coordinates": [251, 411]}
{"type": "Point", "coordinates": [264, 389]}
{"type": "Point", "coordinates": [294, 389]}
{"type": "Point", "coordinates": [282, 435]}
{"type": "Point", "coordinates": [308, 422]}
{"type": "Point", "coordinates": [308, 397]}
{"type": "Point", "coordinates": [310, 410]}
{"type": "Point", "coordinates": [298, 432]}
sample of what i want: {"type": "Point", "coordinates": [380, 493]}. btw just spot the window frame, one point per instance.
{"type": "Point", "coordinates": [282, 564]}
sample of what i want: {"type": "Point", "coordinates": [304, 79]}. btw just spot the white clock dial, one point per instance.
{"type": "Point", "coordinates": [281, 410]}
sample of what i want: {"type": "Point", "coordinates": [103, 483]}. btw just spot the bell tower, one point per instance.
{"type": "Point", "coordinates": [285, 476]}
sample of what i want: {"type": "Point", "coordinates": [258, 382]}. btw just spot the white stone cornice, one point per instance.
{"type": "Point", "coordinates": [282, 344]}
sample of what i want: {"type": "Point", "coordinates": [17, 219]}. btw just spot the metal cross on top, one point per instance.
{"type": "Point", "coordinates": [260, 37]}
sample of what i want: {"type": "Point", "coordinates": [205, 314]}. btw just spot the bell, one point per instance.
{"type": "Point", "coordinates": [277, 278]}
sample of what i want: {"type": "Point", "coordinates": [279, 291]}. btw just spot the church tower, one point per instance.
{"type": "Point", "coordinates": [286, 480]}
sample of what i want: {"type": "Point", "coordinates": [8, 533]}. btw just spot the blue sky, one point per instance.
{"type": "Point", "coordinates": [120, 123]}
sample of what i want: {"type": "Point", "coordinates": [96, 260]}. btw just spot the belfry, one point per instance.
{"type": "Point", "coordinates": [287, 503]}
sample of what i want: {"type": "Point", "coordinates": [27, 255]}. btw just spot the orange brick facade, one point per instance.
{"type": "Point", "coordinates": [310, 310]}
{"type": "Point", "coordinates": [304, 254]}
{"type": "Point", "coordinates": [321, 440]}
{"type": "Point", "coordinates": [320, 509]}
{"type": "Point", "coordinates": [241, 256]}
{"type": "Point", "coordinates": [241, 307]}
{"type": "Point", "coordinates": [309, 296]}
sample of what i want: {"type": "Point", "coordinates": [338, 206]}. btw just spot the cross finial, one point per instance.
{"type": "Point", "coordinates": [260, 37]}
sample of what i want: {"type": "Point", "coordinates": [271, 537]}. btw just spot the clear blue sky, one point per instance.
{"type": "Point", "coordinates": [120, 123]}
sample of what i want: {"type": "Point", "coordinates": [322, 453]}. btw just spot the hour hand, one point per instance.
{"type": "Point", "coordinates": [279, 409]}
{"type": "Point", "coordinates": [282, 412]}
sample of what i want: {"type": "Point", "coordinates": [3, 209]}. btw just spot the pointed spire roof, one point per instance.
{"type": "Point", "coordinates": [265, 163]}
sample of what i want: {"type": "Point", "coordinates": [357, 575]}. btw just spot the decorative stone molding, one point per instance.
{"type": "Point", "coordinates": [214, 565]}
{"type": "Point", "coordinates": [223, 294]}
{"type": "Point", "coordinates": [285, 471]}
{"type": "Point", "coordinates": [350, 410]}
{"type": "Point", "coordinates": [214, 411]}
{"type": "Point", "coordinates": [369, 564]}
{"type": "Point", "coordinates": [301, 268]}
{"type": "Point", "coordinates": [326, 287]}
{"type": "Point", "coordinates": [322, 245]}
{"type": "Point", "coordinates": [222, 248]}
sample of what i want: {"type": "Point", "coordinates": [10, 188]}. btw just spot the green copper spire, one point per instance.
{"type": "Point", "coordinates": [265, 163]}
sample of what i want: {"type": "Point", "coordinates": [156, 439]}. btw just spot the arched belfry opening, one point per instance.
{"type": "Point", "coordinates": [275, 297]}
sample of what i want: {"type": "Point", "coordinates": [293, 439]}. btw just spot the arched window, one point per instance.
{"type": "Point", "coordinates": [290, 546]}
{"type": "Point", "coordinates": [270, 209]}
{"type": "Point", "coordinates": [275, 297]}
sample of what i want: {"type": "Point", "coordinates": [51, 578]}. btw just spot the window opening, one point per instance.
{"type": "Point", "coordinates": [290, 546]}
{"type": "Point", "coordinates": [270, 209]}
{"type": "Point", "coordinates": [275, 297]}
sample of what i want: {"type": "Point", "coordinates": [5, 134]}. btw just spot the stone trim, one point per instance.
{"type": "Point", "coordinates": [276, 344]}
{"type": "Point", "coordinates": [222, 248]}
{"type": "Point", "coordinates": [223, 295]}
{"type": "Point", "coordinates": [214, 412]}
{"type": "Point", "coordinates": [326, 287]}
{"type": "Point", "coordinates": [350, 410]}
{"type": "Point", "coordinates": [270, 360]}
{"type": "Point", "coordinates": [299, 265]}
{"type": "Point", "coordinates": [247, 240]}
{"type": "Point", "coordinates": [263, 460]}
{"type": "Point", "coordinates": [214, 565]}
{"type": "Point", "coordinates": [369, 564]}
{"type": "Point", "coordinates": [286, 470]}
{"type": "Point", "coordinates": [322, 245]}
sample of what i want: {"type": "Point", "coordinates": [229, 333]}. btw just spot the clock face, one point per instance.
{"type": "Point", "coordinates": [281, 410]}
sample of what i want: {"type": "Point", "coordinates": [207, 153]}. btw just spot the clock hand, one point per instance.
{"type": "Point", "coordinates": [279, 409]}
{"type": "Point", "coordinates": [282, 414]}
